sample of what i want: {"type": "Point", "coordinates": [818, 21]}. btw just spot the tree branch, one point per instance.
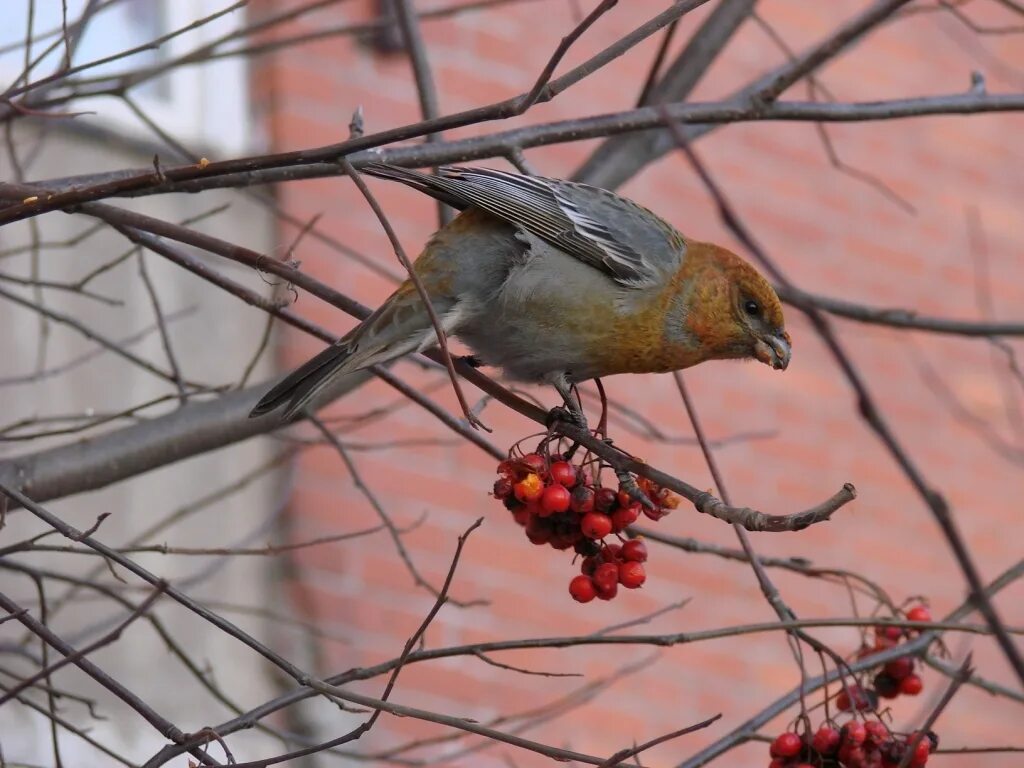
{"type": "Point", "coordinates": [700, 116]}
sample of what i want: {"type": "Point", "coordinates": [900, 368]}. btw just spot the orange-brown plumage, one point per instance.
{"type": "Point", "coordinates": [723, 281]}
{"type": "Point", "coordinates": [711, 284]}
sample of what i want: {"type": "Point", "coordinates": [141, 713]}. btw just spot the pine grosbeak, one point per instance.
{"type": "Point", "coordinates": [557, 283]}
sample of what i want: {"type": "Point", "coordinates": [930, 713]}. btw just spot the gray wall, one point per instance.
{"type": "Point", "coordinates": [213, 340]}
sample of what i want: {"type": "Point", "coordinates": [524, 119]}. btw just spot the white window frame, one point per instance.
{"type": "Point", "coordinates": [207, 107]}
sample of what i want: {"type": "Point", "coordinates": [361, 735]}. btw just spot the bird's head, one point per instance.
{"type": "Point", "coordinates": [734, 311]}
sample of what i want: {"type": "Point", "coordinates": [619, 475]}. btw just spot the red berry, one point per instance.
{"type": "Point", "coordinates": [778, 762]}
{"type": "Point", "coordinates": [589, 565]}
{"type": "Point", "coordinates": [533, 507]}
{"type": "Point", "coordinates": [538, 531]}
{"type": "Point", "coordinates": [530, 488]}
{"type": "Point", "coordinates": [892, 753]}
{"type": "Point", "coordinates": [564, 473]}
{"type": "Point", "coordinates": [877, 733]}
{"type": "Point", "coordinates": [635, 550]}
{"type": "Point", "coordinates": [555, 499]}
{"type": "Point", "coordinates": [522, 516]}
{"type": "Point", "coordinates": [631, 574]}
{"type": "Point", "coordinates": [562, 541]}
{"type": "Point", "coordinates": [787, 745]}
{"type": "Point", "coordinates": [919, 613]}
{"type": "Point", "coordinates": [892, 633]}
{"type": "Point", "coordinates": [887, 687]}
{"type": "Point", "coordinates": [825, 741]}
{"type": "Point", "coordinates": [624, 498]}
{"type": "Point", "coordinates": [899, 668]}
{"type": "Point", "coordinates": [533, 462]}
{"type": "Point", "coordinates": [852, 697]}
{"type": "Point", "coordinates": [921, 751]}
{"type": "Point", "coordinates": [911, 685]}
{"type": "Point", "coordinates": [606, 576]}
{"type": "Point", "coordinates": [854, 733]}
{"type": "Point", "coordinates": [623, 517]}
{"type": "Point", "coordinates": [582, 589]}
{"type": "Point", "coordinates": [596, 525]}
{"type": "Point", "coordinates": [655, 514]}
{"type": "Point", "coordinates": [605, 500]}
{"type": "Point", "coordinates": [882, 642]}
{"type": "Point", "coordinates": [582, 500]}
{"type": "Point", "coordinates": [612, 552]}
{"type": "Point", "coordinates": [852, 756]}
{"type": "Point", "coordinates": [606, 592]}
{"type": "Point", "coordinates": [502, 488]}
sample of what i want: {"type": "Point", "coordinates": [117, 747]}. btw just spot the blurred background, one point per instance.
{"type": "Point", "coordinates": [920, 214]}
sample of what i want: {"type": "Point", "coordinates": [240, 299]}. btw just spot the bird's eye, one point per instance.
{"type": "Point", "coordinates": [751, 307]}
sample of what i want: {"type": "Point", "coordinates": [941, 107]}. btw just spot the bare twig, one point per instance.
{"type": "Point", "coordinates": [961, 677]}
{"type": "Point", "coordinates": [70, 658]}
{"type": "Point", "coordinates": [870, 412]}
{"type": "Point", "coordinates": [161, 724]}
{"type": "Point", "coordinates": [435, 321]}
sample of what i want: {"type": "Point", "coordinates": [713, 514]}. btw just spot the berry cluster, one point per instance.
{"type": "Point", "coordinates": [603, 572]}
{"type": "Point", "coordinates": [896, 677]}
{"type": "Point", "coordinates": [868, 743]}
{"type": "Point", "coordinates": [855, 745]}
{"type": "Point", "coordinates": [564, 505]}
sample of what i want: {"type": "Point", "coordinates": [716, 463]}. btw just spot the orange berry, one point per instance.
{"type": "Point", "coordinates": [530, 488]}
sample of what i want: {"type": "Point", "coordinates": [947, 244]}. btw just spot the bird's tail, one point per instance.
{"type": "Point", "coordinates": [399, 326]}
{"type": "Point", "coordinates": [303, 384]}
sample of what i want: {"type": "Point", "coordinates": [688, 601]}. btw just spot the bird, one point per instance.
{"type": "Point", "coordinates": [555, 282]}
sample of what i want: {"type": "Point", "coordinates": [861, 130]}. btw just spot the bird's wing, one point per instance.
{"type": "Point", "coordinates": [627, 242]}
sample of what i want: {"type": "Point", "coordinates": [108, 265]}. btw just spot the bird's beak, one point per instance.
{"type": "Point", "coordinates": [774, 350]}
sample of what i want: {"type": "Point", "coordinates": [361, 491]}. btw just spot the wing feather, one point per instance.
{"type": "Point", "coordinates": [631, 245]}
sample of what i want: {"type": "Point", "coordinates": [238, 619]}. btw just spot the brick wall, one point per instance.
{"type": "Point", "coordinates": [832, 233]}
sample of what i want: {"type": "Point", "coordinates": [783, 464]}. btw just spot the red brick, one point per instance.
{"type": "Point", "coordinates": [830, 232]}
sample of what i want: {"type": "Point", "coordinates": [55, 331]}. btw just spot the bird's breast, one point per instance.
{"type": "Point", "coordinates": [637, 339]}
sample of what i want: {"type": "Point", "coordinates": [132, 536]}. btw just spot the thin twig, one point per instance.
{"type": "Point", "coordinates": [961, 677]}
{"type": "Point", "coordinates": [435, 321]}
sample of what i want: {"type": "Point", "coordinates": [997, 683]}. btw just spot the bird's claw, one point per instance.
{"type": "Point", "coordinates": [566, 416]}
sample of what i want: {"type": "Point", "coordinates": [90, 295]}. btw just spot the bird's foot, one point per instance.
{"type": "Point", "coordinates": [566, 416]}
